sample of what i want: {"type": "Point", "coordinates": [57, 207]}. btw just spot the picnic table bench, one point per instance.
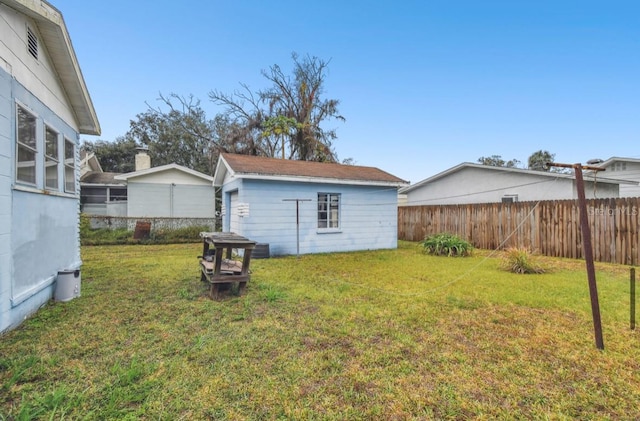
{"type": "Point", "coordinates": [217, 265]}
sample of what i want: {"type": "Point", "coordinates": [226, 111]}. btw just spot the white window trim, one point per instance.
{"type": "Point", "coordinates": [17, 144]}
{"type": "Point", "coordinates": [41, 158]}
{"type": "Point", "coordinates": [329, 230]}
{"type": "Point", "coordinates": [75, 168]}
{"type": "Point", "coordinates": [49, 158]}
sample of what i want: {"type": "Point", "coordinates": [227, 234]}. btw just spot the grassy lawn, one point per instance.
{"type": "Point", "coordinates": [391, 334]}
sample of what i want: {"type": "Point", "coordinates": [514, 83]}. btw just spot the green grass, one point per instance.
{"type": "Point", "coordinates": [393, 334]}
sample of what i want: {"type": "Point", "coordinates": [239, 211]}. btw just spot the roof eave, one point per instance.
{"type": "Point", "coordinates": [290, 178]}
{"type": "Point", "coordinates": [56, 38]}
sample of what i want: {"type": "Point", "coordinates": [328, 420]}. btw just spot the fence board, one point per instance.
{"type": "Point", "coordinates": [551, 228]}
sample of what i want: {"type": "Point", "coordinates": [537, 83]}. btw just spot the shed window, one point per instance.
{"type": "Point", "coordinates": [27, 147]}
{"type": "Point", "coordinates": [328, 210]}
{"type": "Point", "coordinates": [51, 159]}
{"type": "Point", "coordinates": [69, 166]}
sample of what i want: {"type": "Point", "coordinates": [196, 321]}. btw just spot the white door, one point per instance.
{"type": "Point", "coordinates": [234, 218]}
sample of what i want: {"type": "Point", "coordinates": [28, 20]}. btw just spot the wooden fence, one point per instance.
{"type": "Point", "coordinates": [551, 228]}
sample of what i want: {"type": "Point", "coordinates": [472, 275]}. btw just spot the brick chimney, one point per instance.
{"type": "Point", "coordinates": [143, 160]}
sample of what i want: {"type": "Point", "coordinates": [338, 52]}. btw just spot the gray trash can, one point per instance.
{"type": "Point", "coordinates": [67, 285]}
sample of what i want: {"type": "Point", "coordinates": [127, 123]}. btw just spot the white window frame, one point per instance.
{"type": "Point", "coordinates": [69, 167]}
{"type": "Point", "coordinates": [51, 162]}
{"type": "Point", "coordinates": [33, 149]}
{"type": "Point", "coordinates": [329, 211]}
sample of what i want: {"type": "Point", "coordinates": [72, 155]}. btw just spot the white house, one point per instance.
{"type": "Point", "coordinates": [476, 183]}
{"type": "Point", "coordinates": [169, 191]}
{"type": "Point", "coordinates": [308, 207]}
{"type": "Point", "coordinates": [623, 169]}
{"type": "Point", "coordinates": [44, 107]}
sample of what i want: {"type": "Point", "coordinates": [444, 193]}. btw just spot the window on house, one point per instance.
{"type": "Point", "coordinates": [328, 210]}
{"type": "Point", "coordinates": [117, 194]}
{"type": "Point", "coordinates": [32, 43]}
{"type": "Point", "coordinates": [509, 198]}
{"type": "Point", "coordinates": [27, 147]}
{"type": "Point", "coordinates": [51, 159]}
{"type": "Point", "coordinates": [69, 166]}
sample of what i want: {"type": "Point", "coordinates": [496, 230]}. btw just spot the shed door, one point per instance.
{"type": "Point", "coordinates": [234, 219]}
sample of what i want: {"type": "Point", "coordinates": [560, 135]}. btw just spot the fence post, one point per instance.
{"type": "Point", "coordinates": [632, 298]}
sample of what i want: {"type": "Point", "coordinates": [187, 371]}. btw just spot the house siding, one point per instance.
{"type": "Point", "coordinates": [631, 173]}
{"type": "Point", "coordinates": [169, 200]}
{"type": "Point", "coordinates": [478, 185]}
{"type": "Point", "coordinates": [39, 75]}
{"type": "Point", "coordinates": [34, 227]}
{"type": "Point", "coordinates": [6, 169]}
{"type": "Point", "coordinates": [368, 216]}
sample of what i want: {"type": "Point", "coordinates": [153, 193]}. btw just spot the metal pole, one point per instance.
{"type": "Point", "coordinates": [297, 228]}
{"type": "Point", "coordinates": [632, 298]}
{"type": "Point", "coordinates": [587, 248]}
{"type": "Point", "coordinates": [588, 257]}
{"type": "Point", "coordinates": [297, 221]}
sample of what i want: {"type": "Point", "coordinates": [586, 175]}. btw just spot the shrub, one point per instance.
{"type": "Point", "coordinates": [446, 245]}
{"type": "Point", "coordinates": [521, 260]}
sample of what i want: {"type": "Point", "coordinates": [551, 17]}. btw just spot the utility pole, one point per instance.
{"type": "Point", "coordinates": [587, 247]}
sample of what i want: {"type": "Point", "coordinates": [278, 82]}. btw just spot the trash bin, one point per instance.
{"type": "Point", "coordinates": [67, 285]}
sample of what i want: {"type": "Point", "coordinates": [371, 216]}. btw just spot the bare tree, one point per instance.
{"type": "Point", "coordinates": [296, 98]}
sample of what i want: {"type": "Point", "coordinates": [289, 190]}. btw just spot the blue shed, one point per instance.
{"type": "Point", "coordinates": [308, 207]}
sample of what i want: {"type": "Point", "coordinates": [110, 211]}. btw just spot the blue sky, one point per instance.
{"type": "Point", "coordinates": [423, 85]}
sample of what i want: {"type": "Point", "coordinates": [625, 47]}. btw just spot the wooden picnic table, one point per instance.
{"type": "Point", "coordinates": [219, 268]}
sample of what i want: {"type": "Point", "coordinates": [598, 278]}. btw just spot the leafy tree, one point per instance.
{"type": "Point", "coordinates": [280, 127]}
{"type": "Point", "coordinates": [180, 136]}
{"type": "Point", "coordinates": [117, 156]}
{"type": "Point", "coordinates": [497, 161]}
{"type": "Point", "coordinates": [538, 160]}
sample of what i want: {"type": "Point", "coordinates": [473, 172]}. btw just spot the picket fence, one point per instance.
{"type": "Point", "coordinates": [551, 228]}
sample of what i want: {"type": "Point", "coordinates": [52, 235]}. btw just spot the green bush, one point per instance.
{"type": "Point", "coordinates": [446, 245]}
{"type": "Point", "coordinates": [521, 260]}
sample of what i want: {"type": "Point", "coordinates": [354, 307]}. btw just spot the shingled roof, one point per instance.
{"type": "Point", "coordinates": [247, 165]}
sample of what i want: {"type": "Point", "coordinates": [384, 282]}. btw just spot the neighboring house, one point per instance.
{"type": "Point", "coordinates": [308, 207]}
{"type": "Point", "coordinates": [169, 191]}
{"type": "Point", "coordinates": [102, 194]}
{"type": "Point", "coordinates": [623, 169]}
{"type": "Point", "coordinates": [476, 183]}
{"type": "Point", "coordinates": [44, 107]}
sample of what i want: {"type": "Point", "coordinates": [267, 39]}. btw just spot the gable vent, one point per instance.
{"type": "Point", "coordinates": [32, 43]}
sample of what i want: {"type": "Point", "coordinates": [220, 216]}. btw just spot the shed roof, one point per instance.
{"type": "Point", "coordinates": [248, 166]}
{"type": "Point", "coordinates": [51, 25]}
